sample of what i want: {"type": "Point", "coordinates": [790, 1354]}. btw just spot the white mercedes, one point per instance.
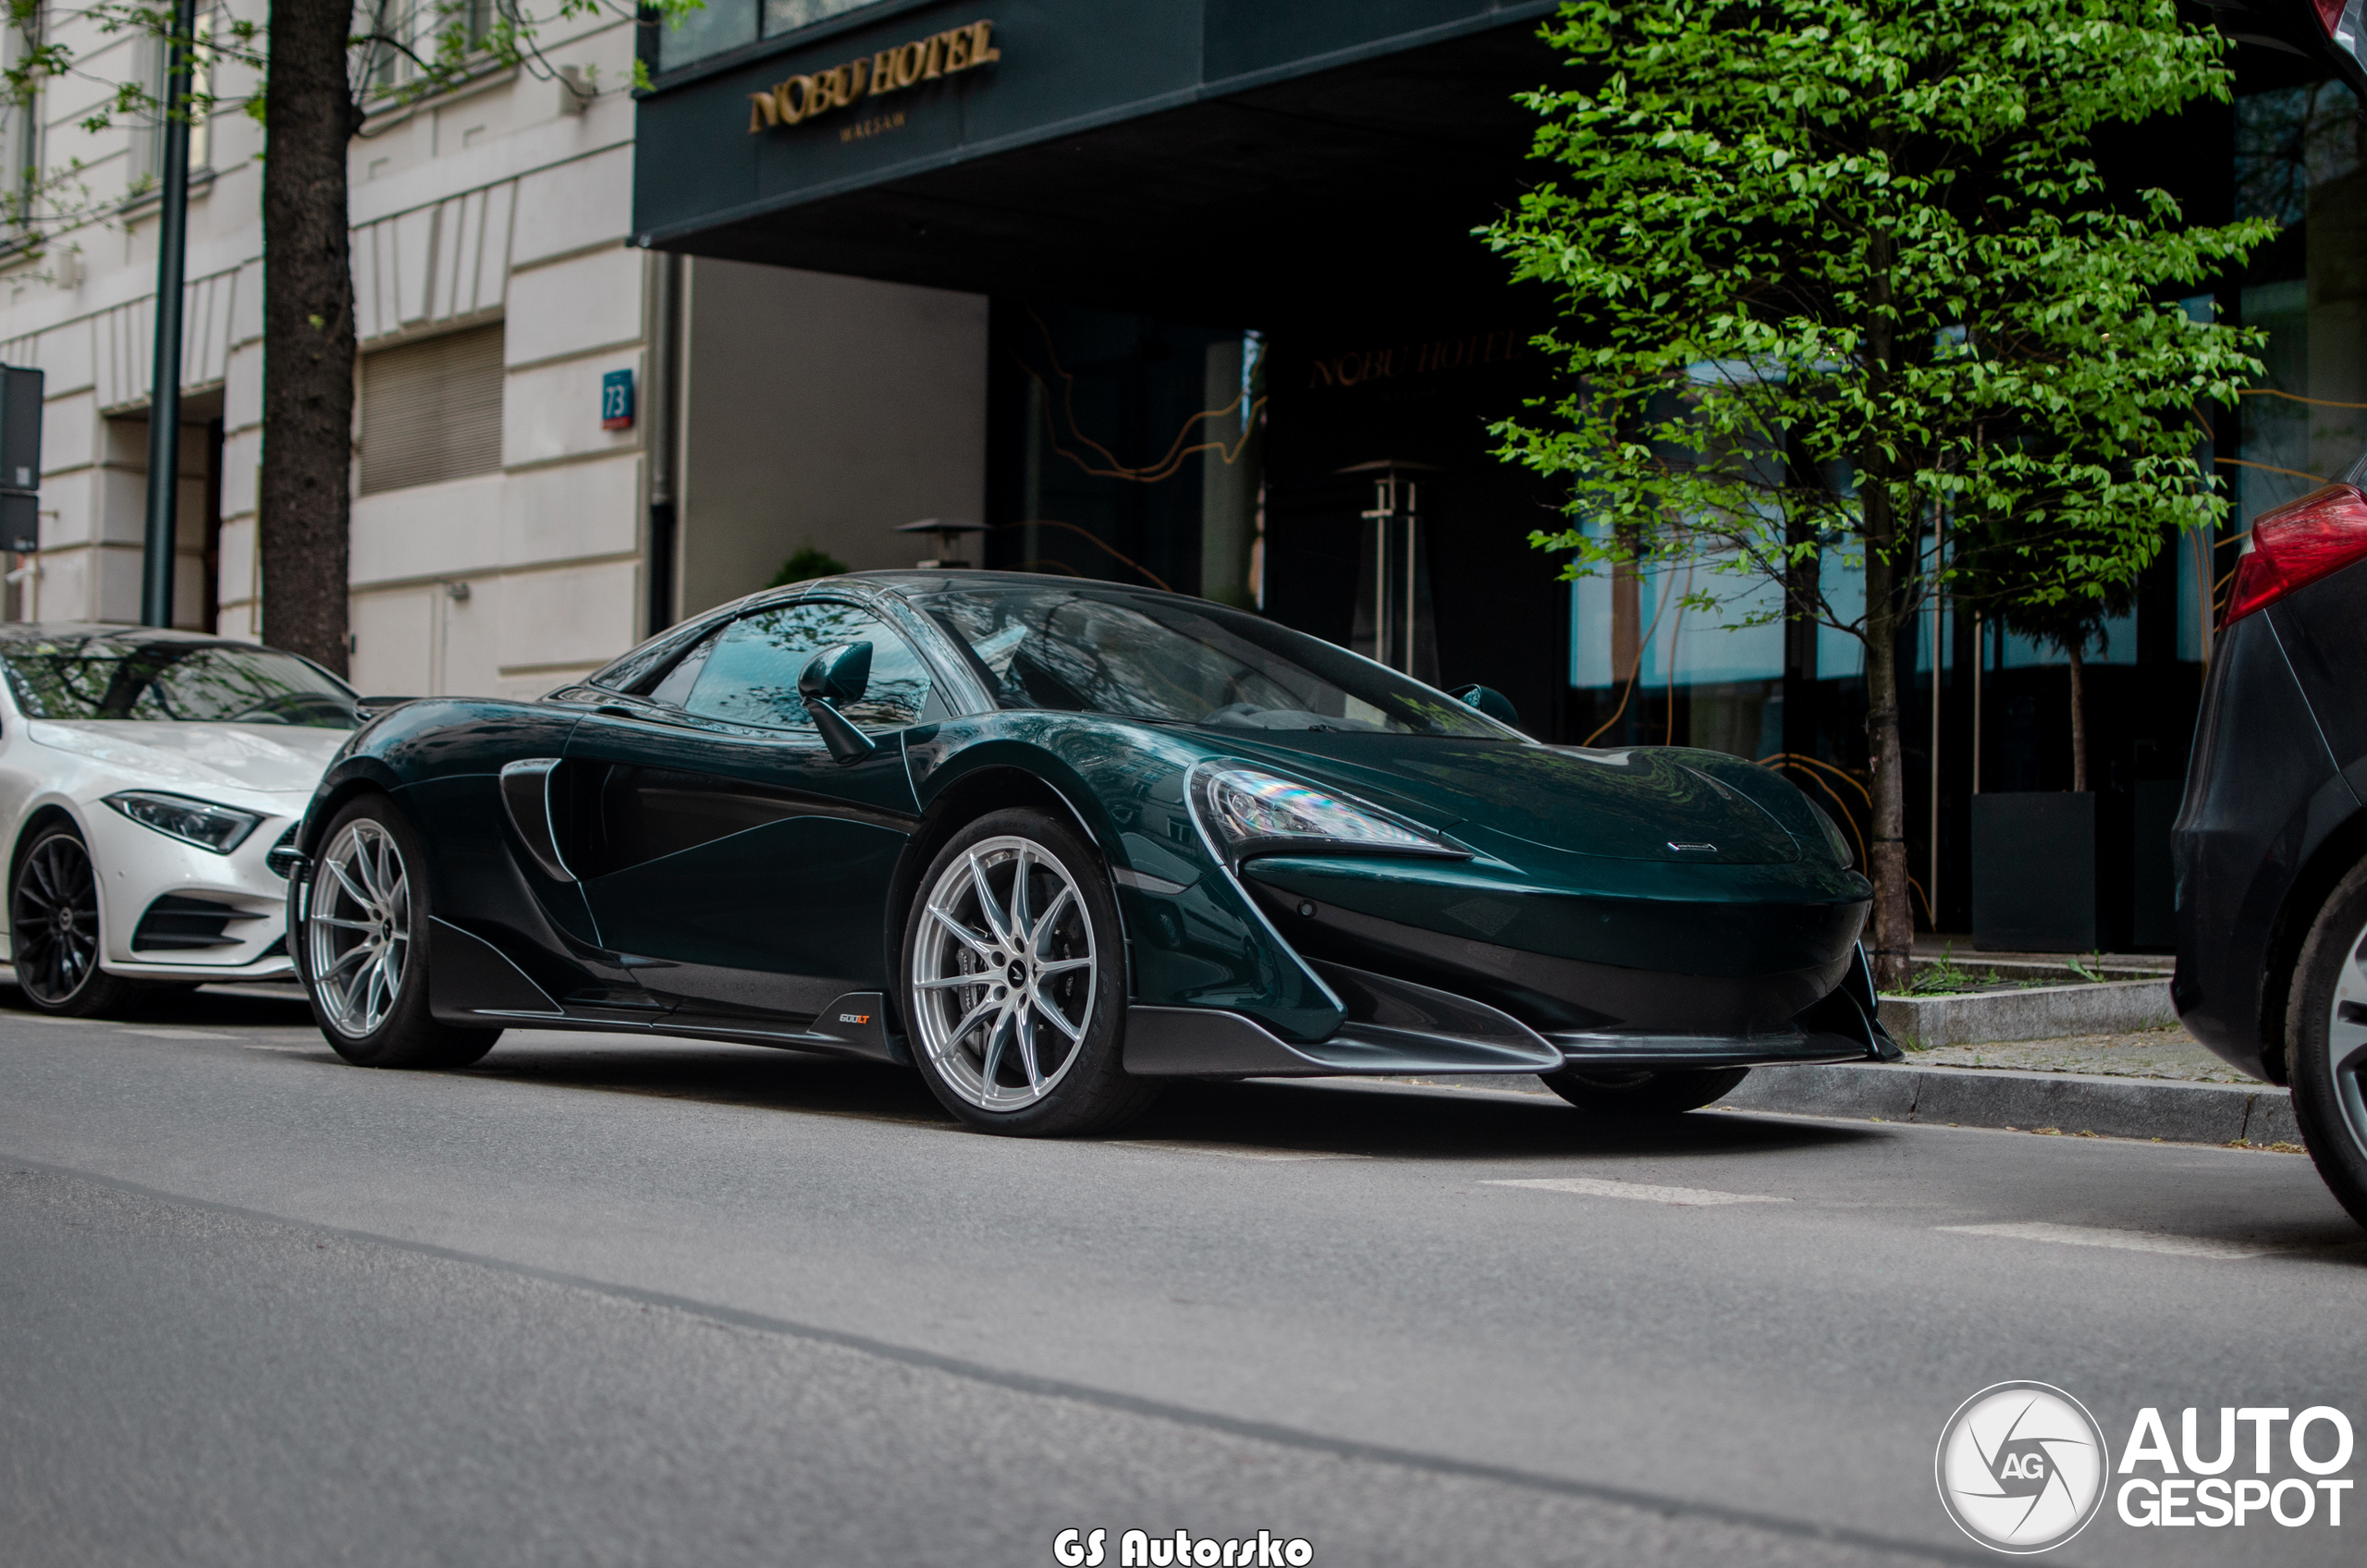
{"type": "Point", "coordinates": [145, 775]}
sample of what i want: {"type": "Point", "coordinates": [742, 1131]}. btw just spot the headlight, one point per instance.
{"type": "Point", "coordinates": [1245, 809]}
{"type": "Point", "coordinates": [209, 827]}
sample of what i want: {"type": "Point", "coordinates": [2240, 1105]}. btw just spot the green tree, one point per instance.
{"type": "Point", "coordinates": [1836, 275]}
{"type": "Point", "coordinates": [804, 565]}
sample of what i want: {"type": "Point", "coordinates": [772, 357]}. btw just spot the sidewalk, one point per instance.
{"type": "Point", "coordinates": [2155, 1085]}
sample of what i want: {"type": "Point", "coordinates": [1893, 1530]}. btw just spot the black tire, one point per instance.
{"type": "Point", "coordinates": [379, 1024]}
{"type": "Point", "coordinates": [1609, 1091]}
{"type": "Point", "coordinates": [1087, 1090]}
{"type": "Point", "coordinates": [2326, 1043]}
{"type": "Point", "coordinates": [55, 936]}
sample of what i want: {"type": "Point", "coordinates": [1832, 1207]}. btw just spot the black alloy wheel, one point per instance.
{"type": "Point", "coordinates": [53, 929]}
{"type": "Point", "coordinates": [1611, 1091]}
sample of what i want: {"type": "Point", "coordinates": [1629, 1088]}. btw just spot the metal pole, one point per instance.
{"type": "Point", "coordinates": [1413, 508]}
{"type": "Point", "coordinates": [659, 399]}
{"type": "Point", "coordinates": [1932, 893]}
{"type": "Point", "coordinates": [1980, 657]}
{"type": "Point", "coordinates": [164, 386]}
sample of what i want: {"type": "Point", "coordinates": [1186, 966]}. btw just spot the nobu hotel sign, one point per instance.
{"type": "Point", "coordinates": [800, 98]}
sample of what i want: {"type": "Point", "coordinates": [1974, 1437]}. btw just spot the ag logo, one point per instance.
{"type": "Point", "coordinates": [2022, 1468]}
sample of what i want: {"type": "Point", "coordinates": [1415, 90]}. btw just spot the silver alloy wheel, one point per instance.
{"type": "Point", "coordinates": [2347, 1040]}
{"type": "Point", "coordinates": [1003, 995]}
{"type": "Point", "coordinates": [357, 930]}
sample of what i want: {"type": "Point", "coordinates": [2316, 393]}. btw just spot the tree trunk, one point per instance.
{"type": "Point", "coordinates": [2078, 723]}
{"type": "Point", "coordinates": [1894, 918]}
{"type": "Point", "coordinates": [308, 332]}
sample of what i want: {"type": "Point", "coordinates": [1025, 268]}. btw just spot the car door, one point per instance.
{"type": "Point", "coordinates": [732, 861]}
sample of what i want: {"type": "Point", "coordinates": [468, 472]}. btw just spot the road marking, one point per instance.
{"type": "Point", "coordinates": [1596, 1186]}
{"type": "Point", "coordinates": [177, 1034]}
{"type": "Point", "coordinates": [2125, 1241]}
{"type": "Point", "coordinates": [1227, 1150]}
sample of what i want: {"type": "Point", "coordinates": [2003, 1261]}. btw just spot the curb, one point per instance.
{"type": "Point", "coordinates": [2069, 1102]}
{"type": "Point", "coordinates": [2037, 1012]}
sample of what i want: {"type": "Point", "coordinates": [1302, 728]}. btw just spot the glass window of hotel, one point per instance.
{"type": "Point", "coordinates": [727, 24]}
{"type": "Point", "coordinates": [2298, 161]}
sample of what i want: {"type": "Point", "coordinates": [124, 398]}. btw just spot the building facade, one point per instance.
{"type": "Point", "coordinates": [1182, 293]}
{"type": "Point", "coordinates": [501, 535]}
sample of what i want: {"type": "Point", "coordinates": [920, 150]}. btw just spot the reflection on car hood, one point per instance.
{"type": "Point", "coordinates": [1634, 804]}
{"type": "Point", "coordinates": [197, 756]}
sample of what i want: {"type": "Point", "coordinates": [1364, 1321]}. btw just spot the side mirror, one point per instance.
{"type": "Point", "coordinates": [1490, 700]}
{"type": "Point", "coordinates": [834, 676]}
{"type": "Point", "coordinates": [837, 675]}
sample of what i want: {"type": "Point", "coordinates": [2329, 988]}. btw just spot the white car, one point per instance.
{"type": "Point", "coordinates": [145, 775]}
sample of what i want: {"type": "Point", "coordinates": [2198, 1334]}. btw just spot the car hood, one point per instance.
{"type": "Point", "coordinates": [270, 758]}
{"type": "Point", "coordinates": [1633, 804]}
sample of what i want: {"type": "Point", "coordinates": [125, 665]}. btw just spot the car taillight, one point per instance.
{"type": "Point", "coordinates": [2330, 15]}
{"type": "Point", "coordinates": [2296, 545]}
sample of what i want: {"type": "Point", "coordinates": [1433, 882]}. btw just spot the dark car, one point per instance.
{"type": "Point", "coordinates": [1053, 842]}
{"type": "Point", "coordinates": [2271, 842]}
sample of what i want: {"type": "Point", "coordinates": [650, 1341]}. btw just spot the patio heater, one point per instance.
{"type": "Point", "coordinates": [948, 532]}
{"type": "Point", "coordinates": [1394, 625]}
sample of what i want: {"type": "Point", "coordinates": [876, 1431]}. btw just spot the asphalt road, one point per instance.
{"type": "Point", "coordinates": [602, 1300]}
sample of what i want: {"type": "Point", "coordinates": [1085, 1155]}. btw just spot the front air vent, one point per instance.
{"type": "Point", "coordinates": [177, 923]}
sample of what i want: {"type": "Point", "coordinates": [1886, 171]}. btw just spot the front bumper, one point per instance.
{"type": "Point", "coordinates": [1396, 1027]}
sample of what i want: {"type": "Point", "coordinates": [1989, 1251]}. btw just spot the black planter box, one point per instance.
{"type": "Point", "coordinates": [2050, 873]}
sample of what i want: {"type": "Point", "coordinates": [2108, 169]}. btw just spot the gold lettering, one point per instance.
{"type": "Point", "coordinates": [802, 97]}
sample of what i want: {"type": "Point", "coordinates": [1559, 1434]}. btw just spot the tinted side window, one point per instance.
{"type": "Point", "coordinates": [748, 673]}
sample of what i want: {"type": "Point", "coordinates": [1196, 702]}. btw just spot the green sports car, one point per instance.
{"type": "Point", "coordinates": [1051, 842]}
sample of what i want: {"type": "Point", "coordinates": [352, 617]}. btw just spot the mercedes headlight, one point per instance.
{"type": "Point", "coordinates": [209, 827]}
{"type": "Point", "coordinates": [1246, 811]}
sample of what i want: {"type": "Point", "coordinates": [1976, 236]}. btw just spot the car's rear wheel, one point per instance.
{"type": "Point", "coordinates": [363, 949]}
{"type": "Point", "coordinates": [54, 938]}
{"type": "Point", "coordinates": [1015, 985]}
{"type": "Point", "coordinates": [1635, 1092]}
{"type": "Point", "coordinates": [2325, 1042]}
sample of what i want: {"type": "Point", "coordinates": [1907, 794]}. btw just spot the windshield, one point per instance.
{"type": "Point", "coordinates": [192, 683]}
{"type": "Point", "coordinates": [1083, 650]}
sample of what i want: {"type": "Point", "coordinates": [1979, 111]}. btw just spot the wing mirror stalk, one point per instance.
{"type": "Point", "coordinates": [834, 676]}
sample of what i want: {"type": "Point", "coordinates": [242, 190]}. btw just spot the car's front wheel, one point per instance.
{"type": "Point", "coordinates": [363, 949]}
{"type": "Point", "coordinates": [1634, 1092]}
{"type": "Point", "coordinates": [2325, 1042]}
{"type": "Point", "coordinates": [53, 933]}
{"type": "Point", "coordinates": [1014, 981]}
